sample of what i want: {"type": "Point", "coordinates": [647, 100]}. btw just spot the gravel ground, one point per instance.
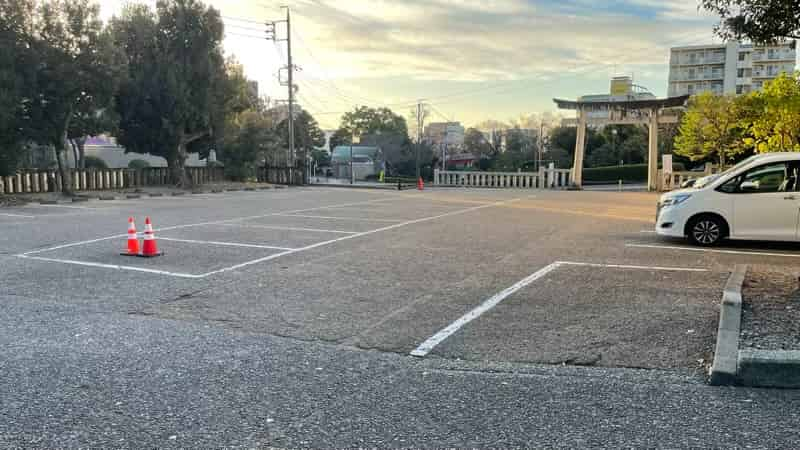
{"type": "Point", "coordinates": [771, 309]}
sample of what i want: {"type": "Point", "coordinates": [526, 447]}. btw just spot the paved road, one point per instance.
{"type": "Point", "coordinates": [234, 346]}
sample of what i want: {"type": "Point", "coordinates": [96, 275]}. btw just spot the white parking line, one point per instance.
{"type": "Point", "coordinates": [17, 215]}
{"type": "Point", "coordinates": [426, 347]}
{"type": "Point", "coordinates": [61, 206]}
{"type": "Point", "coordinates": [271, 227]}
{"type": "Point", "coordinates": [493, 301]}
{"type": "Point", "coordinates": [111, 266]}
{"type": "Point", "coordinates": [648, 231]}
{"type": "Point", "coordinates": [226, 244]}
{"type": "Point", "coordinates": [630, 267]}
{"type": "Point", "coordinates": [359, 219]}
{"type": "Point", "coordinates": [178, 227]}
{"type": "Point", "coordinates": [712, 250]}
{"type": "Point", "coordinates": [357, 235]}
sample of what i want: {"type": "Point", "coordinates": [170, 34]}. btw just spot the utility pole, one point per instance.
{"type": "Point", "coordinates": [420, 121]}
{"type": "Point", "coordinates": [272, 34]}
{"type": "Point", "coordinates": [540, 151]}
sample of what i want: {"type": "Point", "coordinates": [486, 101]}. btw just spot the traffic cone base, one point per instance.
{"type": "Point", "coordinates": [142, 255]}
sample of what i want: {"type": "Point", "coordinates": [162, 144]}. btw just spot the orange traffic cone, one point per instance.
{"type": "Point", "coordinates": [420, 184]}
{"type": "Point", "coordinates": [133, 240]}
{"type": "Point", "coordinates": [149, 248]}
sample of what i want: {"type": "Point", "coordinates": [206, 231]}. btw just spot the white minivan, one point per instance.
{"type": "Point", "coordinates": [757, 199]}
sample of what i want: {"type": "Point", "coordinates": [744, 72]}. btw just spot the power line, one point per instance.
{"type": "Point", "coordinates": [244, 20]}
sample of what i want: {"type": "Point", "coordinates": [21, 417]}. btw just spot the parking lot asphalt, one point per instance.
{"type": "Point", "coordinates": [287, 318]}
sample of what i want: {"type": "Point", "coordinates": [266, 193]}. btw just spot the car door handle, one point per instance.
{"type": "Point", "coordinates": [790, 197]}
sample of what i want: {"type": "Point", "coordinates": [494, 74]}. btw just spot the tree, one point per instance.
{"type": "Point", "coordinates": [711, 128]}
{"type": "Point", "coordinates": [307, 134]}
{"type": "Point", "coordinates": [773, 116]}
{"type": "Point", "coordinates": [756, 20]}
{"type": "Point", "coordinates": [248, 142]}
{"type": "Point", "coordinates": [365, 120]}
{"type": "Point", "coordinates": [476, 143]}
{"type": "Point", "coordinates": [520, 147]}
{"type": "Point", "coordinates": [562, 144]}
{"type": "Point", "coordinates": [76, 67]}
{"type": "Point", "coordinates": [17, 79]}
{"type": "Point", "coordinates": [88, 120]}
{"type": "Point", "coordinates": [175, 66]}
{"type": "Point", "coordinates": [232, 97]}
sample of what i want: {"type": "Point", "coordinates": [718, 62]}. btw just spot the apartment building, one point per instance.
{"type": "Point", "coordinates": [450, 133]}
{"type": "Point", "coordinates": [731, 68]}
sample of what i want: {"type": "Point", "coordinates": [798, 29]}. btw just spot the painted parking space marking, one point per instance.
{"type": "Point", "coordinates": [225, 244]}
{"type": "Point", "coordinates": [431, 343]}
{"type": "Point", "coordinates": [287, 228]}
{"type": "Point", "coordinates": [62, 206]}
{"type": "Point", "coordinates": [357, 235]}
{"type": "Point", "coordinates": [111, 266]}
{"type": "Point", "coordinates": [713, 250]}
{"type": "Point", "coordinates": [29, 254]}
{"type": "Point", "coordinates": [24, 216]}
{"type": "Point", "coordinates": [358, 219]}
{"type": "Point", "coordinates": [178, 227]}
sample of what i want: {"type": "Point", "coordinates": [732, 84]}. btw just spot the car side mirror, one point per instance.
{"type": "Point", "coordinates": [749, 186]}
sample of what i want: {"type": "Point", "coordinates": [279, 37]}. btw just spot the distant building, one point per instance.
{"type": "Point", "coordinates": [462, 161]}
{"type": "Point", "coordinates": [622, 89]}
{"type": "Point", "coordinates": [367, 161]}
{"type": "Point", "coordinates": [731, 68]}
{"type": "Point", "coordinates": [106, 148]}
{"type": "Point", "coordinates": [450, 133]}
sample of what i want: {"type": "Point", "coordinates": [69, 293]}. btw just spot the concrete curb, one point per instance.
{"type": "Point", "coordinates": [769, 368]}
{"type": "Point", "coordinates": [726, 354]}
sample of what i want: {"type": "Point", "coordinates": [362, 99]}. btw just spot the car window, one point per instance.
{"type": "Point", "coordinates": [776, 177]}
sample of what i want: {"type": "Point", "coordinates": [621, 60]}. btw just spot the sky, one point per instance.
{"type": "Point", "coordinates": [471, 60]}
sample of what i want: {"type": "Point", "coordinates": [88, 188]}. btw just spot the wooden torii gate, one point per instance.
{"type": "Point", "coordinates": [621, 112]}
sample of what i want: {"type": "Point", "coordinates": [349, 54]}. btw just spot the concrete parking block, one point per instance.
{"type": "Point", "coordinates": [723, 370]}
{"type": "Point", "coordinates": [769, 368]}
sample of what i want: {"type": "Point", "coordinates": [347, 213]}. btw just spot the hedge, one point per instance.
{"type": "Point", "coordinates": [629, 173]}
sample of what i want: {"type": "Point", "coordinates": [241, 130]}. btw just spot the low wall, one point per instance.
{"type": "Point", "coordinates": [544, 179]}
{"type": "Point", "coordinates": [36, 181]}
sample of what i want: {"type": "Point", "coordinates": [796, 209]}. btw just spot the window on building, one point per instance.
{"type": "Point", "coordinates": [690, 89]}
{"type": "Point", "coordinates": [692, 73]}
{"type": "Point", "coordinates": [740, 73]}
{"type": "Point", "coordinates": [742, 56]}
{"type": "Point", "coordinates": [739, 88]}
{"type": "Point", "coordinates": [772, 53]}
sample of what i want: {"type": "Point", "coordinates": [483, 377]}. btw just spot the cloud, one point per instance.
{"type": "Point", "coordinates": [495, 39]}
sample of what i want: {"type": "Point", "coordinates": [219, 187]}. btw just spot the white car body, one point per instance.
{"type": "Point", "coordinates": [754, 198]}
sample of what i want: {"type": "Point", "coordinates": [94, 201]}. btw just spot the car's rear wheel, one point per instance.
{"type": "Point", "coordinates": [707, 230]}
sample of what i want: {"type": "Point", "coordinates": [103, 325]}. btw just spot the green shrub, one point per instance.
{"type": "Point", "coordinates": [628, 173]}
{"type": "Point", "coordinates": [138, 164]}
{"type": "Point", "coordinates": [93, 162]}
